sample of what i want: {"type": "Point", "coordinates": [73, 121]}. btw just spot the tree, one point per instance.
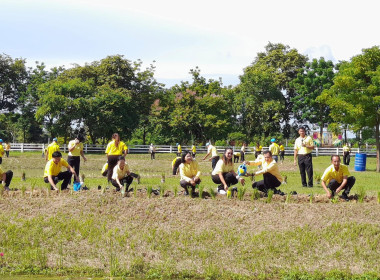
{"type": "Point", "coordinates": [354, 98]}
{"type": "Point", "coordinates": [315, 77]}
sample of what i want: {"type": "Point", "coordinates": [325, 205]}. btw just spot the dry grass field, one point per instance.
{"type": "Point", "coordinates": [172, 236]}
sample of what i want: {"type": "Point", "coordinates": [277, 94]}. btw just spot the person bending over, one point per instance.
{"type": "Point", "coordinates": [53, 172]}
{"type": "Point", "coordinates": [121, 175]}
{"type": "Point", "coordinates": [6, 178]}
{"type": "Point", "coordinates": [272, 177]}
{"type": "Point", "coordinates": [224, 173]}
{"type": "Point", "coordinates": [337, 177]}
{"type": "Point", "coordinates": [189, 171]}
{"type": "Point", "coordinates": [114, 149]}
{"type": "Point", "coordinates": [214, 154]}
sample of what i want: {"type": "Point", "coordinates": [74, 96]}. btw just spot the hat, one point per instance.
{"type": "Point", "coordinates": [55, 139]}
{"type": "Point", "coordinates": [273, 140]}
{"type": "Point", "coordinates": [207, 143]}
{"type": "Point", "coordinates": [1, 140]}
{"type": "Point", "coordinates": [177, 144]}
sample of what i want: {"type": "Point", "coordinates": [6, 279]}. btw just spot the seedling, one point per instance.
{"type": "Point", "coordinates": [23, 189]}
{"type": "Point", "coordinates": [212, 192]}
{"type": "Point", "coordinates": [23, 178]}
{"type": "Point", "coordinates": [175, 190]}
{"type": "Point", "coordinates": [241, 192]}
{"type": "Point", "coordinates": [162, 191]}
{"type": "Point", "coordinates": [149, 191]}
{"type": "Point", "coordinates": [270, 196]}
{"type": "Point", "coordinates": [361, 194]}
{"type": "Point", "coordinates": [378, 197]}
{"type": "Point", "coordinates": [255, 194]}
{"type": "Point", "coordinates": [317, 178]}
{"type": "Point", "coordinates": [162, 178]}
{"type": "Point", "coordinates": [311, 198]}
{"type": "Point", "coordinates": [200, 189]}
{"type": "Point", "coordinates": [288, 198]}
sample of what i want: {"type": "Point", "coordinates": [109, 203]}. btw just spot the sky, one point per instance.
{"type": "Point", "coordinates": [220, 37]}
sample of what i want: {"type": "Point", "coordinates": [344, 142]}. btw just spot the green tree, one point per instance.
{"type": "Point", "coordinates": [354, 99]}
{"type": "Point", "coordinates": [310, 82]}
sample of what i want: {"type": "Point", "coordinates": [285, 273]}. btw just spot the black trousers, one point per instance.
{"type": "Point", "coordinates": [65, 176]}
{"type": "Point", "coordinates": [257, 154]}
{"type": "Point", "coordinates": [125, 181]}
{"type": "Point", "coordinates": [7, 153]}
{"type": "Point", "coordinates": [152, 155]}
{"type": "Point", "coordinates": [194, 154]}
{"type": "Point", "coordinates": [8, 178]}
{"type": "Point", "coordinates": [1, 160]}
{"type": "Point", "coordinates": [305, 163]}
{"type": "Point", "coordinates": [270, 182]}
{"type": "Point", "coordinates": [275, 157]}
{"type": "Point", "coordinates": [112, 161]}
{"type": "Point", "coordinates": [282, 155]}
{"type": "Point", "coordinates": [334, 184]}
{"type": "Point", "coordinates": [242, 156]}
{"type": "Point", "coordinates": [184, 184]}
{"type": "Point", "coordinates": [346, 158]}
{"type": "Point", "coordinates": [236, 158]}
{"type": "Point", "coordinates": [74, 162]}
{"type": "Point", "coordinates": [214, 161]}
{"type": "Point", "coordinates": [229, 178]}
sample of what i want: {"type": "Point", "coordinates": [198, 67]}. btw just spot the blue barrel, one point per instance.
{"type": "Point", "coordinates": [360, 161]}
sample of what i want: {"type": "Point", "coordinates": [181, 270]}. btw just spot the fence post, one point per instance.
{"type": "Point", "coordinates": [337, 150]}
{"type": "Point", "coordinates": [85, 149]}
{"type": "Point", "coordinates": [22, 147]}
{"type": "Point", "coordinates": [316, 151]}
{"type": "Point", "coordinates": [64, 148]}
{"type": "Point", "coordinates": [171, 149]}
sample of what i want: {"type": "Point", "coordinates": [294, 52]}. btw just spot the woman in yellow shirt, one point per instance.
{"type": "Point", "coordinates": [224, 173]}
{"type": "Point", "coordinates": [114, 149]}
{"type": "Point", "coordinates": [189, 171]}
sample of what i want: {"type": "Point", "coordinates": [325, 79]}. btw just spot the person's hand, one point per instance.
{"type": "Point", "coordinates": [242, 181]}
{"type": "Point", "coordinates": [295, 163]}
{"type": "Point", "coordinates": [192, 182]}
{"type": "Point", "coordinates": [76, 141]}
{"type": "Point", "coordinates": [225, 187]}
{"type": "Point", "coordinates": [84, 158]}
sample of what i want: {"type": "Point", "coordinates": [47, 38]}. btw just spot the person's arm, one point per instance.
{"type": "Point", "coordinates": [207, 155]}
{"type": "Point", "coordinates": [4, 178]}
{"type": "Point", "coordinates": [51, 181]}
{"type": "Point", "coordinates": [240, 179]}
{"type": "Point", "coordinates": [73, 171]}
{"type": "Point", "coordinates": [328, 192]}
{"type": "Point", "coordinates": [223, 181]}
{"type": "Point", "coordinates": [295, 156]}
{"type": "Point", "coordinates": [118, 182]}
{"type": "Point", "coordinates": [342, 185]}
{"type": "Point", "coordinates": [82, 154]}
{"type": "Point", "coordinates": [72, 147]}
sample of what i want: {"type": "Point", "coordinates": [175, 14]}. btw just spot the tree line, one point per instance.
{"type": "Point", "coordinates": [277, 92]}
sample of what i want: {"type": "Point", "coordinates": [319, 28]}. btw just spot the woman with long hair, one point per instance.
{"type": "Point", "coordinates": [189, 171]}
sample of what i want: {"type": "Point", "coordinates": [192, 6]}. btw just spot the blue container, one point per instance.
{"type": "Point", "coordinates": [360, 162]}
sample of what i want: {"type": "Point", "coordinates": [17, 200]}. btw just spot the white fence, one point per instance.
{"type": "Point", "coordinates": [140, 149]}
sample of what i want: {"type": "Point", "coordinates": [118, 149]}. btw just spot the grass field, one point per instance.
{"type": "Point", "coordinates": [171, 236]}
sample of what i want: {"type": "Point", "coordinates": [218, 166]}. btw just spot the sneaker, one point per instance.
{"type": "Point", "coordinates": [7, 188]}
{"type": "Point", "coordinates": [130, 190]}
{"type": "Point", "coordinates": [345, 197]}
{"type": "Point", "coordinates": [156, 192]}
{"type": "Point", "coordinates": [279, 192]}
{"type": "Point", "coordinates": [117, 189]}
{"type": "Point", "coordinates": [85, 188]}
{"type": "Point", "coordinates": [222, 192]}
{"type": "Point", "coordinates": [99, 187]}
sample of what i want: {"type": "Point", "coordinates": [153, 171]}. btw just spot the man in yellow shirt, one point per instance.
{"type": "Point", "coordinates": [179, 150]}
{"type": "Point", "coordinates": [242, 152]}
{"type": "Point", "coordinates": [193, 150]}
{"type": "Point", "coordinates": [1, 151]}
{"type": "Point", "coordinates": [7, 148]}
{"type": "Point", "coordinates": [114, 149]}
{"type": "Point", "coordinates": [53, 147]}
{"type": "Point", "coordinates": [121, 176]}
{"type": "Point", "coordinates": [75, 151]}
{"type": "Point", "coordinates": [346, 154]}
{"type": "Point", "coordinates": [6, 178]}
{"type": "Point", "coordinates": [303, 148]}
{"type": "Point", "coordinates": [271, 173]}
{"type": "Point", "coordinates": [258, 149]}
{"type": "Point", "coordinates": [282, 153]}
{"type": "Point", "coordinates": [214, 154]}
{"type": "Point", "coordinates": [274, 148]}
{"type": "Point", "coordinates": [53, 174]}
{"type": "Point", "coordinates": [338, 178]}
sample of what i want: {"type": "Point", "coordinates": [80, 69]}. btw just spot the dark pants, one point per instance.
{"type": "Point", "coordinates": [65, 176]}
{"type": "Point", "coordinates": [242, 156]}
{"type": "Point", "coordinates": [275, 157]}
{"type": "Point", "coordinates": [185, 185]}
{"type": "Point", "coordinates": [270, 182]}
{"type": "Point", "coordinates": [346, 158]}
{"type": "Point", "coordinates": [112, 161]}
{"type": "Point", "coordinates": [7, 153]}
{"type": "Point", "coordinates": [74, 162]}
{"type": "Point", "coordinates": [334, 184]}
{"type": "Point", "coordinates": [282, 155]}
{"type": "Point", "coordinates": [1, 160]}
{"type": "Point", "coordinates": [152, 155]}
{"type": "Point", "coordinates": [214, 161]}
{"type": "Point", "coordinates": [236, 158]}
{"type": "Point", "coordinates": [8, 178]}
{"type": "Point", "coordinates": [229, 178]}
{"type": "Point", "coordinates": [194, 154]}
{"type": "Point", "coordinates": [125, 181]}
{"type": "Point", "coordinates": [177, 163]}
{"type": "Point", "coordinates": [305, 163]}
{"type": "Point", "coordinates": [257, 154]}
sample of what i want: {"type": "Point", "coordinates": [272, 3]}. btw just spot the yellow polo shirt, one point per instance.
{"type": "Point", "coordinates": [120, 173]}
{"type": "Point", "coordinates": [214, 152]}
{"type": "Point", "coordinates": [53, 169]}
{"type": "Point", "coordinates": [271, 167]}
{"type": "Point", "coordinates": [259, 148]}
{"type": "Point", "coordinates": [78, 148]}
{"type": "Point", "coordinates": [53, 147]}
{"type": "Point", "coordinates": [346, 148]}
{"type": "Point", "coordinates": [1, 173]}
{"type": "Point", "coordinates": [174, 160]}
{"type": "Point", "coordinates": [189, 170]}
{"type": "Point", "coordinates": [112, 150]}
{"type": "Point", "coordinates": [1, 150]}
{"type": "Point", "coordinates": [282, 148]}
{"type": "Point", "coordinates": [105, 167]}
{"type": "Point", "coordinates": [330, 173]}
{"type": "Point", "coordinates": [274, 149]}
{"type": "Point", "coordinates": [193, 149]}
{"type": "Point", "coordinates": [220, 167]}
{"type": "Point", "coordinates": [303, 150]}
{"type": "Point", "coordinates": [179, 149]}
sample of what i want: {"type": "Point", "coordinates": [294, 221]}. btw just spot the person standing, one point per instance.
{"type": "Point", "coordinates": [272, 176]}
{"type": "Point", "coordinates": [114, 149]}
{"type": "Point", "coordinates": [7, 148]}
{"type": "Point", "coordinates": [274, 148]}
{"type": "Point", "coordinates": [193, 151]}
{"type": "Point", "coordinates": [338, 178]}
{"type": "Point", "coordinates": [258, 149]}
{"type": "Point", "coordinates": [242, 152]}
{"type": "Point", "coordinates": [152, 151]}
{"type": "Point", "coordinates": [303, 148]}
{"type": "Point", "coordinates": [53, 174]}
{"type": "Point", "coordinates": [53, 147]}
{"type": "Point", "coordinates": [346, 154]}
{"type": "Point", "coordinates": [189, 172]}
{"type": "Point", "coordinates": [75, 151]}
{"type": "Point", "coordinates": [179, 150]}
{"type": "Point", "coordinates": [214, 154]}
{"type": "Point", "coordinates": [6, 178]}
{"type": "Point", "coordinates": [1, 151]}
{"type": "Point", "coordinates": [282, 153]}
{"type": "Point", "coordinates": [224, 174]}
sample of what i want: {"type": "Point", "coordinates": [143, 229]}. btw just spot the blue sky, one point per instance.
{"type": "Point", "coordinates": [220, 37]}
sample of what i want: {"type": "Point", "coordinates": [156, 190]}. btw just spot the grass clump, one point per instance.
{"type": "Point", "coordinates": [241, 192]}
{"type": "Point", "coordinates": [378, 197]}
{"type": "Point", "coordinates": [200, 190]}
{"type": "Point", "coordinates": [162, 190]}
{"type": "Point", "coordinates": [212, 192]}
{"type": "Point", "coordinates": [255, 194]}
{"type": "Point", "coordinates": [149, 191]}
{"type": "Point", "coordinates": [270, 196]}
{"type": "Point", "coordinates": [361, 194]}
{"type": "Point", "coordinates": [175, 190]}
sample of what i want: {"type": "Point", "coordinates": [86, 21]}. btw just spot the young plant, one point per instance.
{"type": "Point", "coordinates": [23, 178]}
{"type": "Point", "coordinates": [32, 187]}
{"type": "Point", "coordinates": [378, 197]}
{"type": "Point", "coordinates": [361, 194]}
{"type": "Point", "coordinates": [270, 196]}
{"type": "Point", "coordinates": [311, 198]}
{"type": "Point", "coordinates": [149, 191]}
{"type": "Point", "coordinates": [241, 192]}
{"type": "Point", "coordinates": [200, 190]}
{"type": "Point", "coordinates": [212, 192]}
{"type": "Point", "coordinates": [317, 177]}
{"type": "Point", "coordinates": [135, 192]}
{"type": "Point", "coordinates": [162, 190]}
{"type": "Point", "coordinates": [162, 178]}
{"type": "Point", "coordinates": [288, 198]}
{"type": "Point", "coordinates": [23, 189]}
{"type": "Point", "coordinates": [190, 190]}
{"type": "Point", "coordinates": [175, 190]}
{"type": "Point", "coordinates": [229, 193]}
{"type": "Point", "coordinates": [255, 194]}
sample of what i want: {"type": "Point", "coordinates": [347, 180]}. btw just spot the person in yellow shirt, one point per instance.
{"type": "Point", "coordinates": [211, 150]}
{"type": "Point", "coordinates": [193, 151]}
{"type": "Point", "coordinates": [1, 151]}
{"type": "Point", "coordinates": [337, 177]}
{"type": "Point", "coordinates": [179, 150]}
{"type": "Point", "coordinates": [6, 178]}
{"type": "Point", "coordinates": [7, 148]}
{"type": "Point", "coordinates": [271, 173]}
{"type": "Point", "coordinates": [121, 175]}
{"type": "Point", "coordinates": [303, 148]}
{"type": "Point", "coordinates": [346, 154]}
{"type": "Point", "coordinates": [236, 157]}
{"type": "Point", "coordinates": [242, 152]}
{"type": "Point", "coordinates": [114, 149]}
{"type": "Point", "coordinates": [282, 152]}
{"type": "Point", "coordinates": [53, 147]}
{"type": "Point", "coordinates": [274, 148]}
{"type": "Point", "coordinates": [189, 172]}
{"type": "Point", "coordinates": [258, 149]}
{"type": "Point", "coordinates": [224, 173]}
{"type": "Point", "coordinates": [53, 174]}
{"type": "Point", "coordinates": [175, 165]}
{"type": "Point", "coordinates": [75, 151]}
